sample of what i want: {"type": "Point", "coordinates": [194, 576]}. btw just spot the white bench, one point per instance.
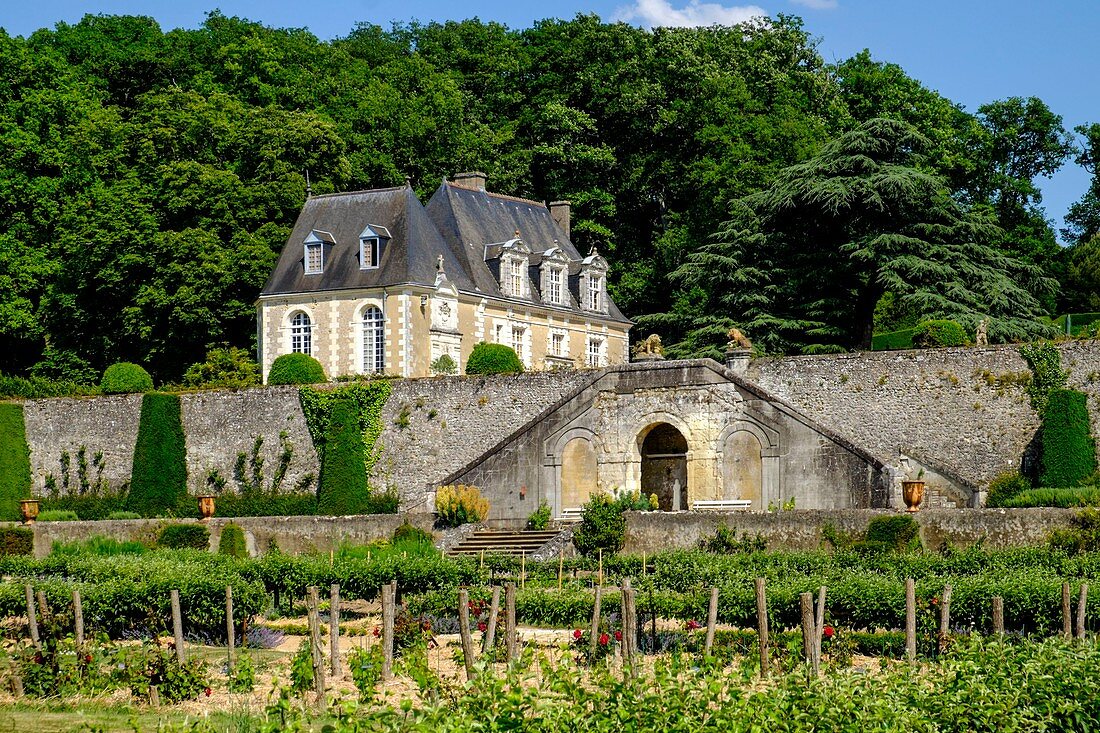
{"type": "Point", "coordinates": [721, 505]}
{"type": "Point", "coordinates": [571, 514]}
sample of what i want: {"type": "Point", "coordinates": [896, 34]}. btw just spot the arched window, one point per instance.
{"type": "Point", "coordinates": [301, 334]}
{"type": "Point", "coordinates": [374, 342]}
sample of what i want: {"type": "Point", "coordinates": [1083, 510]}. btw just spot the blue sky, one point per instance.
{"type": "Point", "coordinates": [972, 51]}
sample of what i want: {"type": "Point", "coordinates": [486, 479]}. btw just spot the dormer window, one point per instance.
{"type": "Point", "coordinates": [513, 263]}
{"type": "Point", "coordinates": [314, 257]}
{"type": "Point", "coordinates": [595, 292]}
{"type": "Point", "coordinates": [555, 273]}
{"type": "Point", "coordinates": [370, 246]}
{"type": "Point", "coordinates": [369, 253]}
{"type": "Point", "coordinates": [554, 290]}
{"type": "Point", "coordinates": [515, 278]}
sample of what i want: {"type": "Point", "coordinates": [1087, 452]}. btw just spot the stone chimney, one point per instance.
{"type": "Point", "coordinates": [559, 212]}
{"type": "Point", "coordinates": [474, 180]}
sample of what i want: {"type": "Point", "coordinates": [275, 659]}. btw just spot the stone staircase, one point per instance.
{"type": "Point", "coordinates": [503, 542]}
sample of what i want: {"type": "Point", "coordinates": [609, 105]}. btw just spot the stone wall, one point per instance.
{"type": "Point", "coordinates": [293, 535]}
{"type": "Point", "coordinates": [962, 409]}
{"type": "Point", "coordinates": [433, 426]}
{"type": "Point", "coordinates": [800, 529]}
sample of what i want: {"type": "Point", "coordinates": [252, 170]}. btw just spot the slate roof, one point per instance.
{"type": "Point", "coordinates": [464, 225]}
{"type": "Point", "coordinates": [408, 256]}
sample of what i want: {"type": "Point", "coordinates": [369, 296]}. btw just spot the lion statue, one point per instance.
{"type": "Point", "coordinates": [738, 340]}
{"type": "Point", "coordinates": [650, 346]}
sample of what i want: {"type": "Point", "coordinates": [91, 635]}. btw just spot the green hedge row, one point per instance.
{"type": "Point", "coordinates": [15, 461]}
{"type": "Point", "coordinates": [1079, 324]}
{"type": "Point", "coordinates": [923, 335]}
{"type": "Point", "coordinates": [158, 480]}
{"type": "Point", "coordinates": [1068, 451]}
{"type": "Point", "coordinates": [1079, 496]}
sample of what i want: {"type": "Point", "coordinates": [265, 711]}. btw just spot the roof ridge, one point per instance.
{"type": "Point", "coordinates": [504, 196]}
{"type": "Point", "coordinates": [355, 193]}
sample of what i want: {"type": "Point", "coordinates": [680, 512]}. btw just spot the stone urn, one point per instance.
{"type": "Point", "coordinates": [206, 506]}
{"type": "Point", "coordinates": [29, 508]}
{"type": "Point", "coordinates": [913, 494]}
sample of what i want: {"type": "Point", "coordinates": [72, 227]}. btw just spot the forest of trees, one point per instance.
{"type": "Point", "coordinates": [730, 175]}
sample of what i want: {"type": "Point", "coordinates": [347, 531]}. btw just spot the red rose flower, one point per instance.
{"type": "Point", "coordinates": [208, 691]}
{"type": "Point", "coordinates": [604, 638]}
{"type": "Point", "coordinates": [577, 634]}
{"type": "Point", "coordinates": [618, 636]}
{"type": "Point", "coordinates": [88, 658]}
{"type": "Point", "coordinates": [935, 601]}
{"type": "Point", "coordinates": [692, 625]}
{"type": "Point", "coordinates": [828, 631]}
{"type": "Point", "coordinates": [482, 626]}
{"type": "Point", "coordinates": [377, 632]}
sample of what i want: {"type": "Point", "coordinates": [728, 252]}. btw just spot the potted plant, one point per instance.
{"type": "Point", "coordinates": [29, 508]}
{"type": "Point", "coordinates": [912, 491]}
{"type": "Point", "coordinates": [206, 506]}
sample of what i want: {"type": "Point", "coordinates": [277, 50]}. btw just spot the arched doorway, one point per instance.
{"type": "Point", "coordinates": [743, 472]}
{"type": "Point", "coordinates": [664, 467]}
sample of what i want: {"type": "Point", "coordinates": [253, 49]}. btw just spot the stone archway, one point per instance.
{"type": "Point", "coordinates": [664, 466]}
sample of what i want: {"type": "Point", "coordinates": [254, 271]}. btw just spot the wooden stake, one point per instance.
{"type": "Point", "coordinates": [523, 569]}
{"type": "Point", "coordinates": [643, 564]}
{"type": "Point", "coordinates": [627, 648]}
{"type": "Point", "coordinates": [595, 621]}
{"type": "Point", "coordinates": [387, 631]}
{"type": "Point", "coordinates": [491, 628]}
{"type": "Point", "coordinates": [154, 696]}
{"type": "Point", "coordinates": [32, 617]}
{"type": "Point", "coordinates": [632, 619]}
{"type": "Point", "coordinates": [230, 628]}
{"type": "Point", "coordinates": [600, 576]}
{"type": "Point", "coordinates": [481, 564]}
{"type": "Point", "coordinates": [43, 607]}
{"type": "Point", "coordinates": [1082, 602]}
{"type": "Point", "coordinates": [177, 625]}
{"type": "Point", "coordinates": [1067, 614]}
{"type": "Point", "coordinates": [561, 565]}
{"type": "Point", "coordinates": [464, 631]}
{"type": "Point", "coordinates": [819, 624]}
{"type": "Point", "coordinates": [807, 603]}
{"type": "Point", "coordinates": [945, 617]}
{"type": "Point", "coordinates": [510, 641]}
{"type": "Point", "coordinates": [910, 620]}
{"type": "Point", "coordinates": [334, 629]}
{"type": "Point", "coordinates": [998, 615]}
{"type": "Point", "coordinates": [712, 620]}
{"type": "Point", "coordinates": [762, 624]}
{"type": "Point", "coordinates": [78, 620]}
{"type": "Point", "coordinates": [313, 604]}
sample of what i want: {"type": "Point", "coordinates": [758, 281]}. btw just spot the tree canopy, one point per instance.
{"type": "Point", "coordinates": [150, 177]}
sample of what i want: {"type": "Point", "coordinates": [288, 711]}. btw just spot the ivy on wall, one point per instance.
{"type": "Point", "coordinates": [1068, 449]}
{"type": "Point", "coordinates": [368, 400]}
{"type": "Point", "coordinates": [1047, 374]}
{"type": "Point", "coordinates": [15, 461]}
{"type": "Point", "coordinates": [158, 480]}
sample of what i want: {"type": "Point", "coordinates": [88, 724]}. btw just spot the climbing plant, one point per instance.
{"type": "Point", "coordinates": [368, 398]}
{"type": "Point", "coordinates": [158, 482]}
{"type": "Point", "coordinates": [1047, 374]}
{"type": "Point", "coordinates": [1068, 449]}
{"type": "Point", "coordinates": [342, 488]}
{"type": "Point", "coordinates": [15, 465]}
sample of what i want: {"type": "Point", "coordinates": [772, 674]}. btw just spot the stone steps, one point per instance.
{"type": "Point", "coordinates": [503, 542]}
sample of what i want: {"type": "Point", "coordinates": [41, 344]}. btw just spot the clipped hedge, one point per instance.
{"type": "Point", "coordinates": [1079, 496]}
{"type": "Point", "coordinates": [125, 378]}
{"type": "Point", "coordinates": [33, 388]}
{"type": "Point", "coordinates": [894, 340]}
{"type": "Point", "coordinates": [158, 481]}
{"type": "Point", "coordinates": [296, 369]}
{"type": "Point", "coordinates": [343, 485]}
{"type": "Point", "coordinates": [489, 358]}
{"type": "Point", "coordinates": [232, 541]}
{"type": "Point", "coordinates": [1068, 450]}
{"type": "Point", "coordinates": [16, 541]}
{"type": "Point", "coordinates": [939, 333]}
{"type": "Point", "coordinates": [184, 537]}
{"type": "Point", "coordinates": [15, 461]}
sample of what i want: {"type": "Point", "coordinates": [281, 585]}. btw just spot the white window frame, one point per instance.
{"type": "Point", "coordinates": [595, 293]}
{"type": "Point", "coordinates": [515, 277]}
{"type": "Point", "coordinates": [555, 285]}
{"type": "Point", "coordinates": [519, 340]}
{"type": "Point", "coordinates": [319, 247]}
{"type": "Point", "coordinates": [595, 351]}
{"type": "Point", "coordinates": [374, 340]}
{"type": "Point", "coordinates": [558, 346]}
{"type": "Point", "coordinates": [301, 333]}
{"type": "Point", "coordinates": [370, 253]}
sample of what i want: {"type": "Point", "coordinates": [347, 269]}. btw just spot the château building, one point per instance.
{"type": "Point", "coordinates": [376, 282]}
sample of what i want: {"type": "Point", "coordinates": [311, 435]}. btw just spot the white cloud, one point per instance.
{"type": "Point", "coordinates": [654, 13]}
{"type": "Point", "coordinates": [817, 4]}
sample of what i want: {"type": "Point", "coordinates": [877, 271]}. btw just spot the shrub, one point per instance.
{"type": "Point", "coordinates": [444, 365]}
{"type": "Point", "coordinates": [184, 536]}
{"type": "Point", "coordinates": [232, 541]}
{"type": "Point", "coordinates": [123, 515]}
{"type": "Point", "coordinates": [461, 504]}
{"type": "Point", "coordinates": [296, 369]}
{"type": "Point", "coordinates": [407, 534]}
{"type": "Point", "coordinates": [33, 388]}
{"type": "Point", "coordinates": [58, 515]}
{"type": "Point", "coordinates": [230, 368]}
{"type": "Point", "coordinates": [124, 378]}
{"type": "Point", "coordinates": [1068, 452]}
{"type": "Point", "coordinates": [1083, 536]}
{"type": "Point", "coordinates": [540, 518]}
{"type": "Point", "coordinates": [724, 542]}
{"type": "Point", "coordinates": [893, 340]}
{"type": "Point", "coordinates": [899, 532]}
{"type": "Point", "coordinates": [939, 333]}
{"type": "Point", "coordinates": [1005, 487]}
{"type": "Point", "coordinates": [158, 481]}
{"type": "Point", "coordinates": [489, 358]}
{"type": "Point", "coordinates": [15, 461]}
{"type": "Point", "coordinates": [603, 526]}
{"type": "Point", "coordinates": [343, 486]}
{"type": "Point", "coordinates": [16, 541]}
{"type": "Point", "coordinates": [1063, 498]}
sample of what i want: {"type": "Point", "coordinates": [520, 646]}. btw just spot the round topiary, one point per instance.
{"type": "Point", "coordinates": [939, 333]}
{"type": "Point", "coordinates": [296, 369]}
{"type": "Point", "coordinates": [493, 359]}
{"type": "Point", "coordinates": [125, 378]}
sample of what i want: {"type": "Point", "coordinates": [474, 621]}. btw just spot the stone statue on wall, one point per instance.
{"type": "Point", "coordinates": [981, 336]}
{"type": "Point", "coordinates": [649, 349]}
{"type": "Point", "coordinates": [737, 340]}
